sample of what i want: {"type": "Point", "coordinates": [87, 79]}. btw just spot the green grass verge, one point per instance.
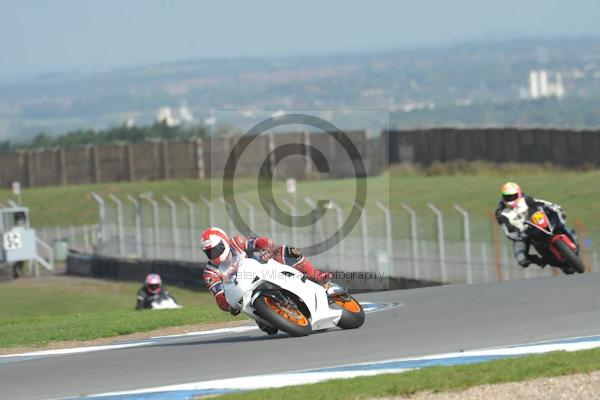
{"type": "Point", "coordinates": [35, 312]}
{"type": "Point", "coordinates": [437, 379]}
{"type": "Point", "coordinates": [37, 331]}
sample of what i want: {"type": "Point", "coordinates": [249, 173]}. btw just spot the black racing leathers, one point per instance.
{"type": "Point", "coordinates": [145, 299]}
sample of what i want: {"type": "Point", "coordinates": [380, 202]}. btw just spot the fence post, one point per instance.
{"type": "Point", "coordinates": [496, 233]}
{"type": "Point", "coordinates": [209, 210]}
{"type": "Point", "coordinates": [102, 217]}
{"type": "Point", "coordinates": [318, 223]}
{"type": "Point", "coordinates": [388, 234]}
{"type": "Point", "coordinates": [467, 236]}
{"type": "Point", "coordinates": [72, 241]}
{"type": "Point", "coordinates": [365, 233]}
{"type": "Point", "coordinates": [229, 221]}
{"type": "Point", "coordinates": [441, 243]}
{"type": "Point", "coordinates": [271, 150]}
{"type": "Point", "coordinates": [120, 232]}
{"type": "Point", "coordinates": [272, 220]}
{"type": "Point", "coordinates": [192, 211]}
{"type": "Point", "coordinates": [139, 246]}
{"type": "Point", "coordinates": [200, 158]}
{"type": "Point", "coordinates": [154, 204]}
{"type": "Point", "coordinates": [340, 223]}
{"type": "Point", "coordinates": [292, 225]}
{"type": "Point", "coordinates": [414, 232]}
{"type": "Point", "coordinates": [251, 219]}
{"type": "Point", "coordinates": [86, 239]}
{"type": "Point", "coordinates": [174, 225]}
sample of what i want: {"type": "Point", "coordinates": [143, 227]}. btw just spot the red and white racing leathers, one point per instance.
{"type": "Point", "coordinates": [284, 254]}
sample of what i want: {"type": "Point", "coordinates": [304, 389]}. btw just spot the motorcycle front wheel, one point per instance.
{"type": "Point", "coordinates": [353, 315]}
{"type": "Point", "coordinates": [572, 261]}
{"type": "Point", "coordinates": [283, 316]}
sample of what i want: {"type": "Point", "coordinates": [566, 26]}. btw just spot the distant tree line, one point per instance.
{"type": "Point", "coordinates": [567, 113]}
{"type": "Point", "coordinates": [123, 133]}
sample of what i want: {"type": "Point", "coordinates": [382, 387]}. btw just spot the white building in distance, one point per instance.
{"type": "Point", "coordinates": [169, 117]}
{"type": "Point", "coordinates": [541, 86]}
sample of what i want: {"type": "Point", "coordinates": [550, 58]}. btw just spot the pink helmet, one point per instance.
{"type": "Point", "coordinates": [511, 194]}
{"type": "Point", "coordinates": [216, 245]}
{"type": "Point", "coordinates": [153, 283]}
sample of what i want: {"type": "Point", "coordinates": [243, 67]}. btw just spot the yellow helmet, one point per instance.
{"type": "Point", "coordinates": [511, 194]}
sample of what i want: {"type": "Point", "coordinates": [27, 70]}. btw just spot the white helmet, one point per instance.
{"type": "Point", "coordinates": [216, 245]}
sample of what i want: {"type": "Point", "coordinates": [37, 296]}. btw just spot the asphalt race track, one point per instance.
{"type": "Point", "coordinates": [427, 321]}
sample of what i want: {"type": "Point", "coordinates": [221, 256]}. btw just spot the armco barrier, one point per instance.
{"type": "Point", "coordinates": [134, 270]}
{"type": "Point", "coordinates": [177, 272]}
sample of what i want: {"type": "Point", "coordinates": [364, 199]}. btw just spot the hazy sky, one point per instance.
{"type": "Point", "coordinates": [93, 35]}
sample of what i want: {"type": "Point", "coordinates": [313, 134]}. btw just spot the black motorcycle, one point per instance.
{"type": "Point", "coordinates": [553, 241]}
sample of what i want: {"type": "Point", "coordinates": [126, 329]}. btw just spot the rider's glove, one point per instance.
{"type": "Point", "coordinates": [233, 311]}
{"type": "Point", "coordinates": [264, 256]}
{"type": "Point", "coordinates": [295, 252]}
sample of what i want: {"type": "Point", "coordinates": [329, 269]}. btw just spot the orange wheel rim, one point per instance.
{"type": "Point", "coordinates": [294, 316]}
{"type": "Point", "coordinates": [350, 305]}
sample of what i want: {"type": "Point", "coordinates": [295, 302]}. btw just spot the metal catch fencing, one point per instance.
{"type": "Point", "coordinates": [449, 245]}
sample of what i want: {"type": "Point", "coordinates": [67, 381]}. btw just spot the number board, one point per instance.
{"type": "Point", "coordinates": [12, 241]}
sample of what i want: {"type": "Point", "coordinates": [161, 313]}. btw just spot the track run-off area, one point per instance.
{"type": "Point", "coordinates": [404, 329]}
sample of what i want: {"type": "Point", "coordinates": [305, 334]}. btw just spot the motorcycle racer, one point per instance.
{"type": "Point", "coordinates": [151, 290]}
{"type": "Point", "coordinates": [512, 214]}
{"type": "Point", "coordinates": [218, 247]}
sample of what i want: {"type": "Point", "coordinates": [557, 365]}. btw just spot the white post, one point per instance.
{"type": "Point", "coordinates": [229, 221]}
{"type": "Point", "coordinates": [271, 146]}
{"type": "Point", "coordinates": [441, 247]}
{"type": "Point", "coordinates": [250, 215]}
{"type": "Point", "coordinates": [388, 234]}
{"type": "Point", "coordinates": [292, 226]}
{"type": "Point", "coordinates": [192, 212]}
{"type": "Point", "coordinates": [318, 224]}
{"type": "Point", "coordinates": [138, 225]}
{"type": "Point", "coordinates": [272, 221]}
{"type": "Point", "coordinates": [414, 231]}
{"type": "Point", "coordinates": [73, 243]}
{"type": "Point", "coordinates": [340, 222]}
{"type": "Point", "coordinates": [209, 210]}
{"type": "Point", "coordinates": [120, 233]}
{"type": "Point", "coordinates": [86, 239]}
{"type": "Point", "coordinates": [467, 233]}
{"type": "Point", "coordinates": [365, 235]}
{"type": "Point", "coordinates": [174, 226]}
{"type": "Point", "coordinates": [156, 224]}
{"type": "Point", "coordinates": [102, 217]}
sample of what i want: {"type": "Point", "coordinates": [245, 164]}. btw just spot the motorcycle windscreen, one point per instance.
{"type": "Point", "coordinates": [229, 268]}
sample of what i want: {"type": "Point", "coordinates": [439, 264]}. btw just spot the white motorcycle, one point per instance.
{"type": "Point", "coordinates": [164, 302]}
{"type": "Point", "coordinates": [281, 296]}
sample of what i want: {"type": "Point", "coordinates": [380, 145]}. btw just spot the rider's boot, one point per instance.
{"type": "Point", "coordinates": [535, 259]}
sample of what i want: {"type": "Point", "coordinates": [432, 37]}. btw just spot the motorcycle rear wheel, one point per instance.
{"type": "Point", "coordinates": [292, 321]}
{"type": "Point", "coordinates": [572, 261]}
